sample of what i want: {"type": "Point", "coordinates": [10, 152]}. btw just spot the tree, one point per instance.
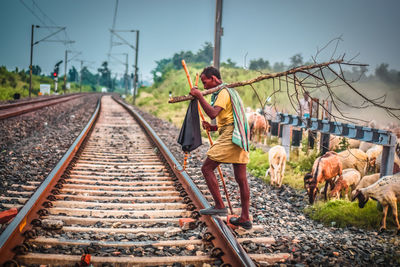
{"type": "Point", "coordinates": [163, 66]}
{"type": "Point", "coordinates": [279, 66]}
{"type": "Point", "coordinates": [296, 61]}
{"type": "Point", "coordinates": [229, 64]}
{"type": "Point", "coordinates": [188, 56]}
{"type": "Point", "coordinates": [105, 76]}
{"type": "Point", "coordinates": [259, 64]}
{"type": "Point", "coordinates": [73, 74]}
{"type": "Point", "coordinates": [88, 77]}
{"type": "Point", "coordinates": [205, 54]}
{"type": "Point", "coordinates": [36, 70]}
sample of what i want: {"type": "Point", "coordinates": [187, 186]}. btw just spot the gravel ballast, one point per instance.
{"type": "Point", "coordinates": [32, 144]}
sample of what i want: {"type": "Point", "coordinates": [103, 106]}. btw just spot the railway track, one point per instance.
{"type": "Point", "coordinates": [14, 109]}
{"type": "Point", "coordinates": [120, 196]}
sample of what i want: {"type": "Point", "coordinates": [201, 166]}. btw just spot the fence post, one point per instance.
{"type": "Point", "coordinates": [286, 139]}
{"type": "Point", "coordinates": [388, 156]}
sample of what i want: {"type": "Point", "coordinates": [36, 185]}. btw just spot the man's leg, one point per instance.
{"type": "Point", "coordinates": [208, 171]}
{"type": "Point", "coordinates": [241, 179]}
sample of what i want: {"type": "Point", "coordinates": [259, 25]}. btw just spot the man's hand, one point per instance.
{"type": "Point", "coordinates": [208, 127]}
{"type": "Point", "coordinates": [195, 92]}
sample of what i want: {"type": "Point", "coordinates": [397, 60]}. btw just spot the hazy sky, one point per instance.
{"type": "Point", "coordinates": [273, 30]}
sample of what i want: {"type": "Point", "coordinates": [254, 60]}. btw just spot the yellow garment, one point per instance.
{"type": "Point", "coordinates": [223, 150]}
{"type": "Point", "coordinates": [225, 117]}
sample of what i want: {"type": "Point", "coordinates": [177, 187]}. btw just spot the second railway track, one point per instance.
{"type": "Point", "coordinates": [120, 202]}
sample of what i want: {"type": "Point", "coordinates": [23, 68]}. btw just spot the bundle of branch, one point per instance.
{"type": "Point", "coordinates": [309, 77]}
{"type": "Point", "coordinates": [301, 69]}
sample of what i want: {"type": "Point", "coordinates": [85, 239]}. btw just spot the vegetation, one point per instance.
{"type": "Point", "coordinates": [17, 82]}
{"type": "Point", "coordinates": [343, 213]}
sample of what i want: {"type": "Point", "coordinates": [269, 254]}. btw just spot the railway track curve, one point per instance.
{"type": "Point", "coordinates": [120, 196]}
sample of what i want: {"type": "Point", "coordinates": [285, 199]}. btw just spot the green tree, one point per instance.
{"type": "Point", "coordinates": [188, 56]}
{"type": "Point", "coordinates": [105, 75]}
{"type": "Point", "coordinates": [296, 61]}
{"type": "Point", "coordinates": [205, 54]}
{"type": "Point", "coordinates": [259, 64]}
{"type": "Point", "coordinates": [229, 64]}
{"type": "Point", "coordinates": [88, 77]}
{"type": "Point", "coordinates": [279, 66]}
{"type": "Point", "coordinates": [36, 70]}
{"type": "Point", "coordinates": [163, 66]}
{"type": "Point", "coordinates": [73, 75]}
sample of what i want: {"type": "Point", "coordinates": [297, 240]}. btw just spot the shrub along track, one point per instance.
{"type": "Point", "coordinates": [123, 205]}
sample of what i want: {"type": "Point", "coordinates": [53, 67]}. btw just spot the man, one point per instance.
{"type": "Point", "coordinates": [304, 105]}
{"type": "Point", "coordinates": [232, 146]}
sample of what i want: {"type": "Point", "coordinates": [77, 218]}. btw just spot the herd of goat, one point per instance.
{"type": "Point", "coordinates": [344, 173]}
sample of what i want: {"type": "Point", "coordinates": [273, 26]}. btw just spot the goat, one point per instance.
{"type": "Point", "coordinates": [364, 146]}
{"type": "Point", "coordinates": [335, 142]}
{"type": "Point", "coordinates": [387, 192]}
{"type": "Point", "coordinates": [351, 177]}
{"type": "Point", "coordinates": [325, 168]}
{"type": "Point", "coordinates": [260, 128]}
{"type": "Point", "coordinates": [354, 158]}
{"type": "Point", "coordinates": [366, 181]}
{"type": "Point", "coordinates": [372, 154]}
{"type": "Point", "coordinates": [277, 164]}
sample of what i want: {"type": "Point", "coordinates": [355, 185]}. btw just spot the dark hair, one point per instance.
{"type": "Point", "coordinates": [210, 71]}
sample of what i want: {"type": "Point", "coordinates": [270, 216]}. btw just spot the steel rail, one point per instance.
{"type": "Point", "coordinates": [16, 109]}
{"type": "Point", "coordinates": [35, 100]}
{"type": "Point", "coordinates": [13, 235]}
{"type": "Point", "coordinates": [224, 239]}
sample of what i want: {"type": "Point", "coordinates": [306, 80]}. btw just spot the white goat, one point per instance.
{"type": "Point", "coordinates": [277, 164]}
{"type": "Point", "coordinates": [387, 192]}
{"type": "Point", "coordinates": [366, 181]}
{"type": "Point", "coordinates": [372, 154]}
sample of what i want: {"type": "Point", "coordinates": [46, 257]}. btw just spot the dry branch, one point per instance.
{"type": "Point", "coordinates": [257, 79]}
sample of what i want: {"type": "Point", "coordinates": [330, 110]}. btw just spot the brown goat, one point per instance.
{"type": "Point", "coordinates": [351, 177]}
{"type": "Point", "coordinates": [259, 128]}
{"type": "Point", "coordinates": [325, 169]}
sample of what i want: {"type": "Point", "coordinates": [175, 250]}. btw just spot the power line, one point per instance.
{"type": "Point", "coordinates": [113, 27]}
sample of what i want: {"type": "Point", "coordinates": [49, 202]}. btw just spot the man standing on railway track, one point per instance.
{"type": "Point", "coordinates": [232, 145]}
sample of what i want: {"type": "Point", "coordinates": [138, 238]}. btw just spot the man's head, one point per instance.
{"type": "Point", "coordinates": [210, 77]}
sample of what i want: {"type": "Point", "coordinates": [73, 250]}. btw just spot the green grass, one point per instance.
{"type": "Point", "coordinates": [342, 213]}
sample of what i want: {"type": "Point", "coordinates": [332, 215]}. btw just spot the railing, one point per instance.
{"type": "Point", "coordinates": [371, 135]}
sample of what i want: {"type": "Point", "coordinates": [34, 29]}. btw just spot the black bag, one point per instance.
{"type": "Point", "coordinates": [190, 136]}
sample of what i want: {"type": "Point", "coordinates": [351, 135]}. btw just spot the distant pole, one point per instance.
{"type": "Point", "coordinates": [135, 79]}
{"type": "Point", "coordinates": [80, 78]}
{"type": "Point", "coordinates": [218, 34]}
{"type": "Point", "coordinates": [65, 71]}
{"type": "Point", "coordinates": [126, 74]}
{"type": "Point", "coordinates": [30, 64]}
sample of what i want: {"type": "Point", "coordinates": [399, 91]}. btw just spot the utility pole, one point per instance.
{"type": "Point", "coordinates": [135, 79]}
{"type": "Point", "coordinates": [30, 63]}
{"type": "Point", "coordinates": [218, 33]}
{"type": "Point", "coordinates": [80, 78]}
{"type": "Point", "coordinates": [45, 39]}
{"type": "Point", "coordinates": [126, 75]}
{"type": "Point", "coordinates": [136, 48]}
{"type": "Point", "coordinates": [65, 71]}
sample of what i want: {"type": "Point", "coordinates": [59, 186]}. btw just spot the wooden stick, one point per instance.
{"type": "Point", "coordinates": [208, 133]}
{"type": "Point", "coordinates": [257, 79]}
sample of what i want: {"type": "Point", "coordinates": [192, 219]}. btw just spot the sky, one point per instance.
{"type": "Point", "coordinates": [272, 30]}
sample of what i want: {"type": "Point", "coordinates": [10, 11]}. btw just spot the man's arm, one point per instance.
{"type": "Point", "coordinates": [211, 111]}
